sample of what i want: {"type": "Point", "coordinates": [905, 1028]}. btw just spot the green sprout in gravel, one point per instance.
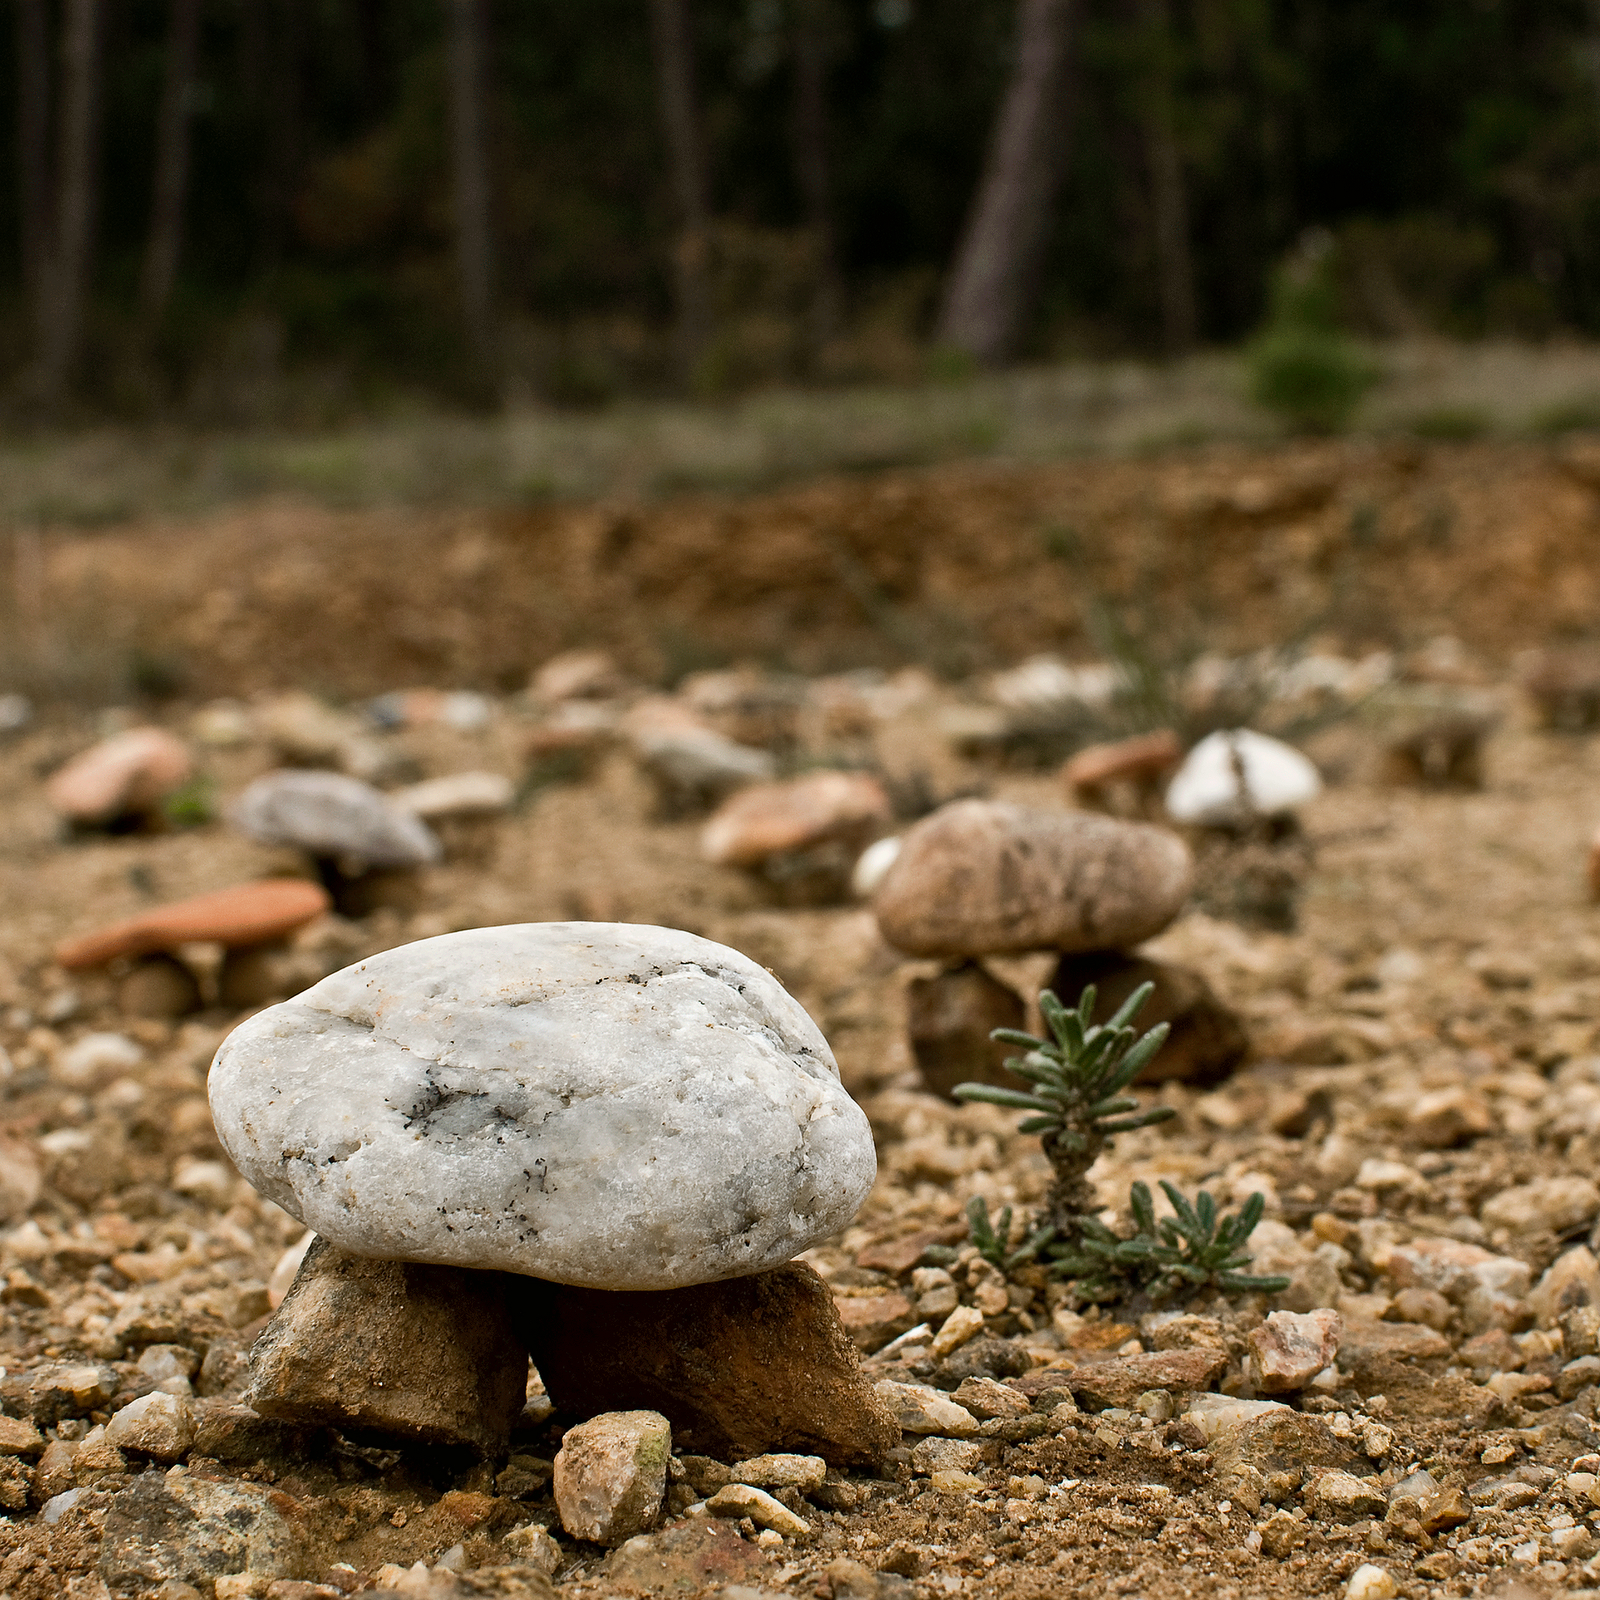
{"type": "Point", "coordinates": [1077, 1105]}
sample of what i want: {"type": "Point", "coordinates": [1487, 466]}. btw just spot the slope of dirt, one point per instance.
{"type": "Point", "coordinates": [959, 567]}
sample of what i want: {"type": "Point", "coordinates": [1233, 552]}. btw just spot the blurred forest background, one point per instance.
{"type": "Point", "coordinates": [294, 211]}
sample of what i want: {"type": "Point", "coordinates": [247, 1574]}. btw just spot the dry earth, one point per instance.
{"type": "Point", "coordinates": [1447, 956]}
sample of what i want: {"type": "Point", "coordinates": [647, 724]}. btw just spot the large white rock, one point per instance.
{"type": "Point", "coordinates": [1206, 788]}
{"type": "Point", "coordinates": [603, 1104]}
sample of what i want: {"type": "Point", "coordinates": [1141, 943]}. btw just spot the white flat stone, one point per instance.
{"type": "Point", "coordinates": [602, 1104]}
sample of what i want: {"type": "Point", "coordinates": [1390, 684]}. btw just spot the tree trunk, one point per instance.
{"type": "Point", "coordinates": [77, 184]}
{"type": "Point", "coordinates": [811, 161]}
{"type": "Point", "coordinates": [992, 282]}
{"type": "Point", "coordinates": [1169, 199]}
{"type": "Point", "coordinates": [172, 168]}
{"type": "Point", "coordinates": [673, 34]}
{"type": "Point", "coordinates": [33, 147]}
{"type": "Point", "coordinates": [273, 35]}
{"type": "Point", "coordinates": [469, 52]}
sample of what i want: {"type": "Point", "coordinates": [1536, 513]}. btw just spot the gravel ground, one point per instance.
{"type": "Point", "coordinates": [1425, 1069]}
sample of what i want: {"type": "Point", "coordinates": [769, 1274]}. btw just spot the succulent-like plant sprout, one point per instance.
{"type": "Point", "coordinates": [1076, 1106]}
{"type": "Point", "coordinates": [1076, 1101]}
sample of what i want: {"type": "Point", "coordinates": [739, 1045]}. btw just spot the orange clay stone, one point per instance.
{"type": "Point", "coordinates": [1145, 759]}
{"type": "Point", "coordinates": [799, 814]}
{"type": "Point", "coordinates": [129, 772]}
{"type": "Point", "coordinates": [251, 913]}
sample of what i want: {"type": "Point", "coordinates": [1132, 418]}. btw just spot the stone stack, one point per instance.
{"type": "Point", "coordinates": [979, 879]}
{"type": "Point", "coordinates": [601, 1143]}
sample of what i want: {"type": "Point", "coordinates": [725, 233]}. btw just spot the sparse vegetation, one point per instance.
{"type": "Point", "coordinates": [1077, 1104]}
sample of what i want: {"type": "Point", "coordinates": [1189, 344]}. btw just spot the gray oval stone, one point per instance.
{"type": "Point", "coordinates": [601, 1104]}
{"type": "Point", "coordinates": [984, 877]}
{"type": "Point", "coordinates": [329, 814]}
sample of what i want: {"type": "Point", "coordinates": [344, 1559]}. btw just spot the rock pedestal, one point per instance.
{"type": "Point", "coordinates": [950, 1018]}
{"type": "Point", "coordinates": [417, 1352]}
{"type": "Point", "coordinates": [1207, 1040]}
{"type": "Point", "coordinates": [740, 1368]}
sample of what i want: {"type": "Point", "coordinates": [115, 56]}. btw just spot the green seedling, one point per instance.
{"type": "Point", "coordinates": [1077, 1103]}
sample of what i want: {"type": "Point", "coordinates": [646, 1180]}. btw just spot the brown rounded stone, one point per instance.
{"type": "Point", "coordinates": [984, 877]}
{"type": "Point", "coordinates": [249, 914]}
{"type": "Point", "coordinates": [739, 1368]}
{"type": "Point", "coordinates": [128, 774]}
{"type": "Point", "coordinates": [949, 1019]}
{"type": "Point", "coordinates": [159, 987]}
{"type": "Point", "coordinates": [1207, 1041]}
{"type": "Point", "coordinates": [769, 819]}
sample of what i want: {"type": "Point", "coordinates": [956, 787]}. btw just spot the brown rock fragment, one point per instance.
{"type": "Point", "coordinates": [950, 1018]}
{"type": "Point", "coordinates": [1100, 774]}
{"type": "Point", "coordinates": [1120, 1381]}
{"type": "Point", "coordinates": [1448, 1117]}
{"type": "Point", "coordinates": [1207, 1040]}
{"type": "Point", "coordinates": [1290, 1348]}
{"type": "Point", "coordinates": [872, 1320]}
{"type": "Point", "coordinates": [740, 1368]}
{"type": "Point", "coordinates": [421, 1352]}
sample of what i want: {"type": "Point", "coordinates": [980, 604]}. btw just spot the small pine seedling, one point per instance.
{"type": "Point", "coordinates": [1077, 1106]}
{"type": "Point", "coordinates": [1077, 1103]}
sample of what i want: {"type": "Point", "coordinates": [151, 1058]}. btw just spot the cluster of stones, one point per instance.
{"type": "Point", "coordinates": [980, 879]}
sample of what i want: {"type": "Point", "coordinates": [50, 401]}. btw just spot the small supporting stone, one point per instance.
{"type": "Point", "coordinates": [949, 1021]}
{"type": "Point", "coordinates": [1207, 1040]}
{"type": "Point", "coordinates": [739, 1368]}
{"type": "Point", "coordinates": [418, 1352]}
{"type": "Point", "coordinates": [159, 986]}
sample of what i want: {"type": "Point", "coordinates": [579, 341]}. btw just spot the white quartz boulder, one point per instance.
{"type": "Point", "coordinates": [602, 1104]}
{"type": "Point", "coordinates": [1207, 789]}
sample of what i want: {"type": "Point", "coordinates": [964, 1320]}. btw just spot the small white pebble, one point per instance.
{"type": "Point", "coordinates": [1368, 1582]}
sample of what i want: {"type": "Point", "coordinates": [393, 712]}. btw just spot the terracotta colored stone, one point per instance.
{"type": "Point", "coordinates": [983, 877]}
{"type": "Point", "coordinates": [395, 1347]}
{"type": "Point", "coordinates": [128, 774]}
{"type": "Point", "coordinates": [249, 914]}
{"type": "Point", "coordinates": [771, 819]}
{"type": "Point", "coordinates": [1207, 1041]}
{"type": "Point", "coordinates": [872, 1320]}
{"type": "Point", "coordinates": [740, 1368]}
{"type": "Point", "coordinates": [949, 1019]}
{"type": "Point", "coordinates": [1141, 763]}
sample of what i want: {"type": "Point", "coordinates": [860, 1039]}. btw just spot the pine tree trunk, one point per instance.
{"type": "Point", "coordinates": [1169, 199]}
{"type": "Point", "coordinates": [992, 282]}
{"type": "Point", "coordinates": [33, 148]}
{"type": "Point", "coordinates": [673, 34]}
{"type": "Point", "coordinates": [469, 52]}
{"type": "Point", "coordinates": [172, 168]}
{"type": "Point", "coordinates": [71, 252]}
{"type": "Point", "coordinates": [811, 162]}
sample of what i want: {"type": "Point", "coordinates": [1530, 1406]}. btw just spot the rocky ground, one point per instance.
{"type": "Point", "coordinates": [1421, 1113]}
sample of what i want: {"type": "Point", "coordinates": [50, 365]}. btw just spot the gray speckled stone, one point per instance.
{"type": "Point", "coordinates": [328, 814]}
{"type": "Point", "coordinates": [602, 1104]}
